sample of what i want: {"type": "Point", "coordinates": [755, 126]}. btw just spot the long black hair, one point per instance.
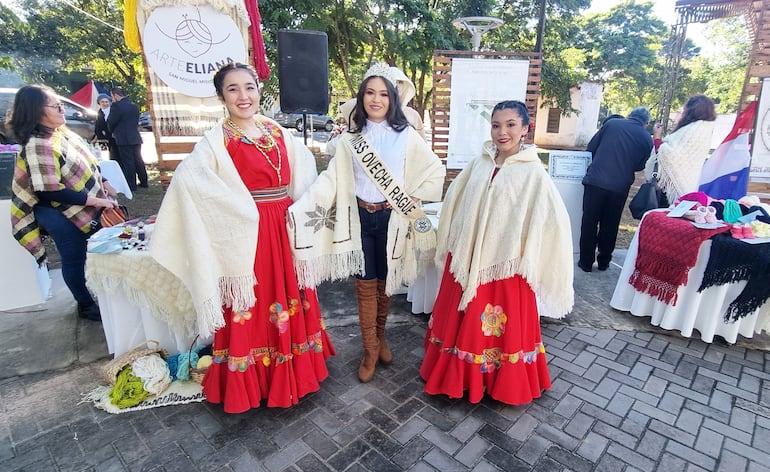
{"type": "Point", "coordinates": [395, 116]}
{"type": "Point", "coordinates": [27, 112]}
{"type": "Point", "coordinates": [519, 107]}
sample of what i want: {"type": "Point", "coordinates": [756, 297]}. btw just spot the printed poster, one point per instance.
{"type": "Point", "coordinates": [477, 86]}
{"type": "Point", "coordinates": [186, 45]}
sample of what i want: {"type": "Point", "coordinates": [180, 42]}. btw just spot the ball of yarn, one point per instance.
{"type": "Point", "coordinates": [128, 390]}
{"type": "Point", "coordinates": [153, 371]}
{"type": "Point", "coordinates": [204, 362]}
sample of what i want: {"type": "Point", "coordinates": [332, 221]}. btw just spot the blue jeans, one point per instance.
{"type": "Point", "coordinates": [71, 244]}
{"type": "Point", "coordinates": [374, 242]}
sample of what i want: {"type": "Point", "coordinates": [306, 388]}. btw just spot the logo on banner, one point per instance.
{"type": "Point", "coordinates": [186, 45]}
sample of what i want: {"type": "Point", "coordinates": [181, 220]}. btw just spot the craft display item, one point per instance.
{"type": "Point", "coordinates": [112, 368]}
{"type": "Point", "coordinates": [110, 217]}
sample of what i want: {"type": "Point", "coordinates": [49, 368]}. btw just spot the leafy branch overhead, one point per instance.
{"type": "Point", "coordinates": [623, 48]}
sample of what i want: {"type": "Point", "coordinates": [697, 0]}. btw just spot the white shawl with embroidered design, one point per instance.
{"type": "Point", "coordinates": [324, 228]}
{"type": "Point", "coordinates": [513, 224]}
{"type": "Point", "coordinates": [206, 230]}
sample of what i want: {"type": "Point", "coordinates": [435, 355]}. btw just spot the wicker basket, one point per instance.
{"type": "Point", "coordinates": [112, 368]}
{"type": "Point", "coordinates": [196, 375]}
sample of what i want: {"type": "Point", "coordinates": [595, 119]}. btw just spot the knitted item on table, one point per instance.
{"type": "Point", "coordinates": [732, 211]}
{"type": "Point", "coordinates": [668, 249]}
{"type": "Point", "coordinates": [731, 261]}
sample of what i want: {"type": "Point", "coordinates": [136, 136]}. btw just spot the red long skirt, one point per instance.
{"type": "Point", "coordinates": [492, 346]}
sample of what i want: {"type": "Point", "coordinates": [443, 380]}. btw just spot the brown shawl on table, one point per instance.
{"type": "Point", "coordinates": [668, 249]}
{"type": "Point", "coordinates": [731, 261]}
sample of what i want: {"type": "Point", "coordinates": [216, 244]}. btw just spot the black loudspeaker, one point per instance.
{"type": "Point", "coordinates": [303, 71]}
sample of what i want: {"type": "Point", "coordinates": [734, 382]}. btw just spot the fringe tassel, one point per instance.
{"type": "Point", "coordinates": [210, 317]}
{"type": "Point", "coordinates": [663, 291]}
{"type": "Point", "coordinates": [238, 292]}
{"type": "Point", "coordinates": [424, 241]}
{"type": "Point", "coordinates": [330, 267]}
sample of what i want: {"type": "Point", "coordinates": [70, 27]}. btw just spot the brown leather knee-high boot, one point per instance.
{"type": "Point", "coordinates": [383, 307]}
{"type": "Point", "coordinates": [366, 292]}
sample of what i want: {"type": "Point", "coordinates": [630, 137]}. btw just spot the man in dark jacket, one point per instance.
{"type": "Point", "coordinates": [620, 148]}
{"type": "Point", "coordinates": [123, 123]}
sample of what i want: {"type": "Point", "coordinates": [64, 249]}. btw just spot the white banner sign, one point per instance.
{"type": "Point", "coordinates": [186, 45]}
{"type": "Point", "coordinates": [477, 86]}
{"type": "Point", "coordinates": [760, 156]}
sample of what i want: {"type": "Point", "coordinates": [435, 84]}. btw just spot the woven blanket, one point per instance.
{"type": "Point", "coordinates": [731, 261]}
{"type": "Point", "coordinates": [178, 393]}
{"type": "Point", "coordinates": [668, 249]}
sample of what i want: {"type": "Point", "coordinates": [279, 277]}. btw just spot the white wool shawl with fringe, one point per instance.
{"type": "Point", "coordinates": [206, 230]}
{"type": "Point", "coordinates": [680, 159]}
{"type": "Point", "coordinates": [513, 224]}
{"type": "Point", "coordinates": [324, 228]}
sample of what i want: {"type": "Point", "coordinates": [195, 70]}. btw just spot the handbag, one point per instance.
{"type": "Point", "coordinates": [649, 197]}
{"type": "Point", "coordinates": [109, 217]}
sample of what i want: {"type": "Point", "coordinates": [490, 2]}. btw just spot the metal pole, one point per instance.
{"type": "Point", "coordinates": [540, 28]}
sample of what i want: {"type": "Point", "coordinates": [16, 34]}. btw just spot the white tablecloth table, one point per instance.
{"type": "Point", "coordinates": [139, 299]}
{"type": "Point", "coordinates": [111, 171]}
{"type": "Point", "coordinates": [702, 311]}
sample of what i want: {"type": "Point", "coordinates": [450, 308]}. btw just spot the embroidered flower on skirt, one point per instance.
{"type": "Point", "coordinates": [493, 320]}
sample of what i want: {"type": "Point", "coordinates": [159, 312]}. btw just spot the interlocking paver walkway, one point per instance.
{"type": "Point", "coordinates": [620, 401]}
{"type": "Point", "coordinates": [630, 399]}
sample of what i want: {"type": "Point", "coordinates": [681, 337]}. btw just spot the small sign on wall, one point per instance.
{"type": "Point", "coordinates": [7, 162]}
{"type": "Point", "coordinates": [568, 165]}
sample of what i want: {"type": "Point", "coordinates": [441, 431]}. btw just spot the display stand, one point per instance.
{"type": "Point", "coordinates": [567, 169]}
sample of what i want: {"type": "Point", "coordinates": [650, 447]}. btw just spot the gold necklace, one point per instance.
{"type": "Point", "coordinates": [262, 148]}
{"type": "Point", "coordinates": [264, 142]}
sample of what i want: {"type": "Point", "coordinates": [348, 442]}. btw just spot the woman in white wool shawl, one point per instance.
{"type": "Point", "coordinates": [345, 225]}
{"type": "Point", "coordinates": [681, 154]}
{"type": "Point", "coordinates": [505, 235]}
{"type": "Point", "coordinates": [221, 230]}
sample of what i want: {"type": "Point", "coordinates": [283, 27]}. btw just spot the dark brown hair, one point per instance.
{"type": "Point", "coordinates": [698, 107]}
{"type": "Point", "coordinates": [27, 112]}
{"type": "Point", "coordinates": [219, 76]}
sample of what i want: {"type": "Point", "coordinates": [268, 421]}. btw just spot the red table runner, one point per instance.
{"type": "Point", "coordinates": [668, 249]}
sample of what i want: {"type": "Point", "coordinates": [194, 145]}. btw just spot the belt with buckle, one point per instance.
{"type": "Point", "coordinates": [373, 207]}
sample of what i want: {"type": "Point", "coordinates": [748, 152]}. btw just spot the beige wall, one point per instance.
{"type": "Point", "coordinates": [575, 130]}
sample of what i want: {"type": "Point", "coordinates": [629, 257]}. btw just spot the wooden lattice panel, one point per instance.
{"type": "Point", "coordinates": [442, 84]}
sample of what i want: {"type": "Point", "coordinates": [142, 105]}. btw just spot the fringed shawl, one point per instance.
{"type": "Point", "coordinates": [513, 224]}
{"type": "Point", "coordinates": [668, 249]}
{"type": "Point", "coordinates": [206, 231]}
{"type": "Point", "coordinates": [324, 229]}
{"type": "Point", "coordinates": [731, 261]}
{"type": "Point", "coordinates": [680, 158]}
{"type": "Point", "coordinates": [48, 164]}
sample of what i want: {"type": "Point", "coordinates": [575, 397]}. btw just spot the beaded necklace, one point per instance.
{"type": "Point", "coordinates": [264, 144]}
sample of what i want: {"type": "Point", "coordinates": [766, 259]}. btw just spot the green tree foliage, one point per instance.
{"type": "Point", "coordinates": [58, 38]}
{"type": "Point", "coordinates": [721, 76]}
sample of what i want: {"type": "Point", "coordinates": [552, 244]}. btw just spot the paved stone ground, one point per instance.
{"type": "Point", "coordinates": [621, 401]}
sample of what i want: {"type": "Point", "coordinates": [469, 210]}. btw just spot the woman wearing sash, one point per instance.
{"type": "Point", "coordinates": [362, 216]}
{"type": "Point", "coordinates": [221, 229]}
{"type": "Point", "coordinates": [505, 244]}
